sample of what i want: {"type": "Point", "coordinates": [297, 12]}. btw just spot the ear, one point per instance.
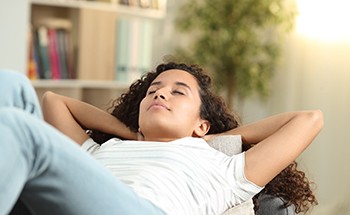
{"type": "Point", "coordinates": [202, 128]}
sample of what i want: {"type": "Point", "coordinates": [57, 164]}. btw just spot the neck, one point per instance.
{"type": "Point", "coordinates": [160, 139]}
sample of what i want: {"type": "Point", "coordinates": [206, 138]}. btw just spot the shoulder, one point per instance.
{"type": "Point", "coordinates": [91, 146]}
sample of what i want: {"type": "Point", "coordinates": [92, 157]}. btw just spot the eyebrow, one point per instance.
{"type": "Point", "coordinates": [178, 83]}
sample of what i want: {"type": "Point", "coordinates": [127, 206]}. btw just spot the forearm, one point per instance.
{"type": "Point", "coordinates": [274, 153]}
{"type": "Point", "coordinates": [280, 140]}
{"type": "Point", "coordinates": [63, 112]}
{"type": "Point", "coordinates": [256, 132]}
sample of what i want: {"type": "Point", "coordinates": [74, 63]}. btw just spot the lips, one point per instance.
{"type": "Point", "coordinates": [158, 105]}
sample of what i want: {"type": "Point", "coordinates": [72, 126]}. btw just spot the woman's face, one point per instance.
{"type": "Point", "coordinates": [171, 108]}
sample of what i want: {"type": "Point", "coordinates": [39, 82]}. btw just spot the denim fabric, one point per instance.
{"type": "Point", "coordinates": [46, 169]}
{"type": "Point", "coordinates": [17, 91]}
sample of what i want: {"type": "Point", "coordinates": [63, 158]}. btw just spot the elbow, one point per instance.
{"type": "Point", "coordinates": [316, 118]}
{"type": "Point", "coordinates": [48, 95]}
{"type": "Point", "coordinates": [48, 100]}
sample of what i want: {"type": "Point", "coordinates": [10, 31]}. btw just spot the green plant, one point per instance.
{"type": "Point", "coordinates": [238, 41]}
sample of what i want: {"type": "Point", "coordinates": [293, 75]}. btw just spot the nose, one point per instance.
{"type": "Point", "coordinates": [159, 94]}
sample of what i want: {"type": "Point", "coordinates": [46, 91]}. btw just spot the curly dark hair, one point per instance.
{"type": "Point", "coordinates": [291, 184]}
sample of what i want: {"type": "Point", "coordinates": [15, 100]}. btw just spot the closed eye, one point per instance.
{"type": "Point", "coordinates": [178, 92]}
{"type": "Point", "coordinates": [151, 92]}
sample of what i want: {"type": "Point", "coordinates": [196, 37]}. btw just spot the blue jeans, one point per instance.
{"type": "Point", "coordinates": [48, 171]}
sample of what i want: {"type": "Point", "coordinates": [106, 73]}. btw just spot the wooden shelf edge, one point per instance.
{"type": "Point", "coordinates": [112, 7]}
{"type": "Point", "coordinates": [87, 84]}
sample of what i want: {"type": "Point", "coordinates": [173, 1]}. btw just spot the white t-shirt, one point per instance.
{"type": "Point", "coordinates": [185, 176]}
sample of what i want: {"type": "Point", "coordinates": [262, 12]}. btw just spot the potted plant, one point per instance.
{"type": "Point", "coordinates": [238, 41]}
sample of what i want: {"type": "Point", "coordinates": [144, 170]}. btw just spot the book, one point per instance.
{"type": "Point", "coordinates": [62, 53]}
{"type": "Point", "coordinates": [134, 50]}
{"type": "Point", "coordinates": [56, 23]}
{"type": "Point", "coordinates": [53, 54]}
{"type": "Point", "coordinates": [70, 55]}
{"type": "Point", "coordinates": [146, 40]}
{"type": "Point", "coordinates": [31, 66]}
{"type": "Point", "coordinates": [43, 43]}
{"type": "Point", "coordinates": [53, 47]}
{"type": "Point", "coordinates": [122, 50]}
{"type": "Point", "coordinates": [36, 53]}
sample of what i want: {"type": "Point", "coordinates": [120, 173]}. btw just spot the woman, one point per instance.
{"type": "Point", "coordinates": [290, 186]}
{"type": "Point", "coordinates": [174, 108]}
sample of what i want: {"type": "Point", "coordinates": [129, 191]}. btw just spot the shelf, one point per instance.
{"type": "Point", "coordinates": [93, 44]}
{"type": "Point", "coordinates": [97, 93]}
{"type": "Point", "coordinates": [79, 84]}
{"type": "Point", "coordinates": [112, 7]}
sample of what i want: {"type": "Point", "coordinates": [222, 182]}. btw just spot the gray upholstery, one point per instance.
{"type": "Point", "coordinates": [273, 205]}
{"type": "Point", "coordinates": [228, 144]}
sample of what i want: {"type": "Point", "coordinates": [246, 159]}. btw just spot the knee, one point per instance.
{"type": "Point", "coordinates": [10, 116]}
{"type": "Point", "coordinates": [19, 92]}
{"type": "Point", "coordinates": [13, 76]}
{"type": "Point", "coordinates": [16, 122]}
{"type": "Point", "coordinates": [13, 83]}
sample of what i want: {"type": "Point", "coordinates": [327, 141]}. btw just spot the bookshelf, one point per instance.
{"type": "Point", "coordinates": [92, 29]}
{"type": "Point", "coordinates": [105, 6]}
{"type": "Point", "coordinates": [99, 93]}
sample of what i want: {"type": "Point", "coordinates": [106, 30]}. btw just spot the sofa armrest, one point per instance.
{"type": "Point", "coordinates": [273, 205]}
{"type": "Point", "coordinates": [246, 208]}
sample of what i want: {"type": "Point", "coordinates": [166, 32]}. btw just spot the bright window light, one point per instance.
{"type": "Point", "coordinates": [324, 19]}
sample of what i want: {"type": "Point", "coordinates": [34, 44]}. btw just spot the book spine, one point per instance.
{"type": "Point", "coordinates": [52, 47]}
{"type": "Point", "coordinates": [70, 55]}
{"type": "Point", "coordinates": [53, 52]}
{"type": "Point", "coordinates": [134, 46]}
{"type": "Point", "coordinates": [62, 52]}
{"type": "Point", "coordinates": [122, 50]}
{"type": "Point", "coordinates": [36, 47]}
{"type": "Point", "coordinates": [44, 52]}
{"type": "Point", "coordinates": [145, 46]}
{"type": "Point", "coordinates": [31, 67]}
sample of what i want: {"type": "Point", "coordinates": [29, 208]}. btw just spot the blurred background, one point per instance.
{"type": "Point", "coordinates": [312, 72]}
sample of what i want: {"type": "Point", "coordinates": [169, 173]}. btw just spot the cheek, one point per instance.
{"type": "Point", "coordinates": [143, 104]}
{"type": "Point", "coordinates": [191, 109]}
{"type": "Point", "coordinates": [142, 108]}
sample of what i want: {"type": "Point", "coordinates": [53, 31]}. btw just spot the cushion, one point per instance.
{"type": "Point", "coordinates": [231, 145]}
{"type": "Point", "coordinates": [227, 144]}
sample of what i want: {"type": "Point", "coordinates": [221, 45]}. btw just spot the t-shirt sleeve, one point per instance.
{"type": "Point", "coordinates": [243, 188]}
{"type": "Point", "coordinates": [90, 146]}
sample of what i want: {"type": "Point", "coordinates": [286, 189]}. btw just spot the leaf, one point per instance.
{"type": "Point", "coordinates": [240, 39]}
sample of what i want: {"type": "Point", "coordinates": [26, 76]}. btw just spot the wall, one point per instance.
{"type": "Point", "coordinates": [313, 74]}
{"type": "Point", "coordinates": [13, 37]}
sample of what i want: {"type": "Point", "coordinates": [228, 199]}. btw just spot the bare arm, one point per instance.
{"type": "Point", "coordinates": [280, 140]}
{"type": "Point", "coordinates": [72, 117]}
